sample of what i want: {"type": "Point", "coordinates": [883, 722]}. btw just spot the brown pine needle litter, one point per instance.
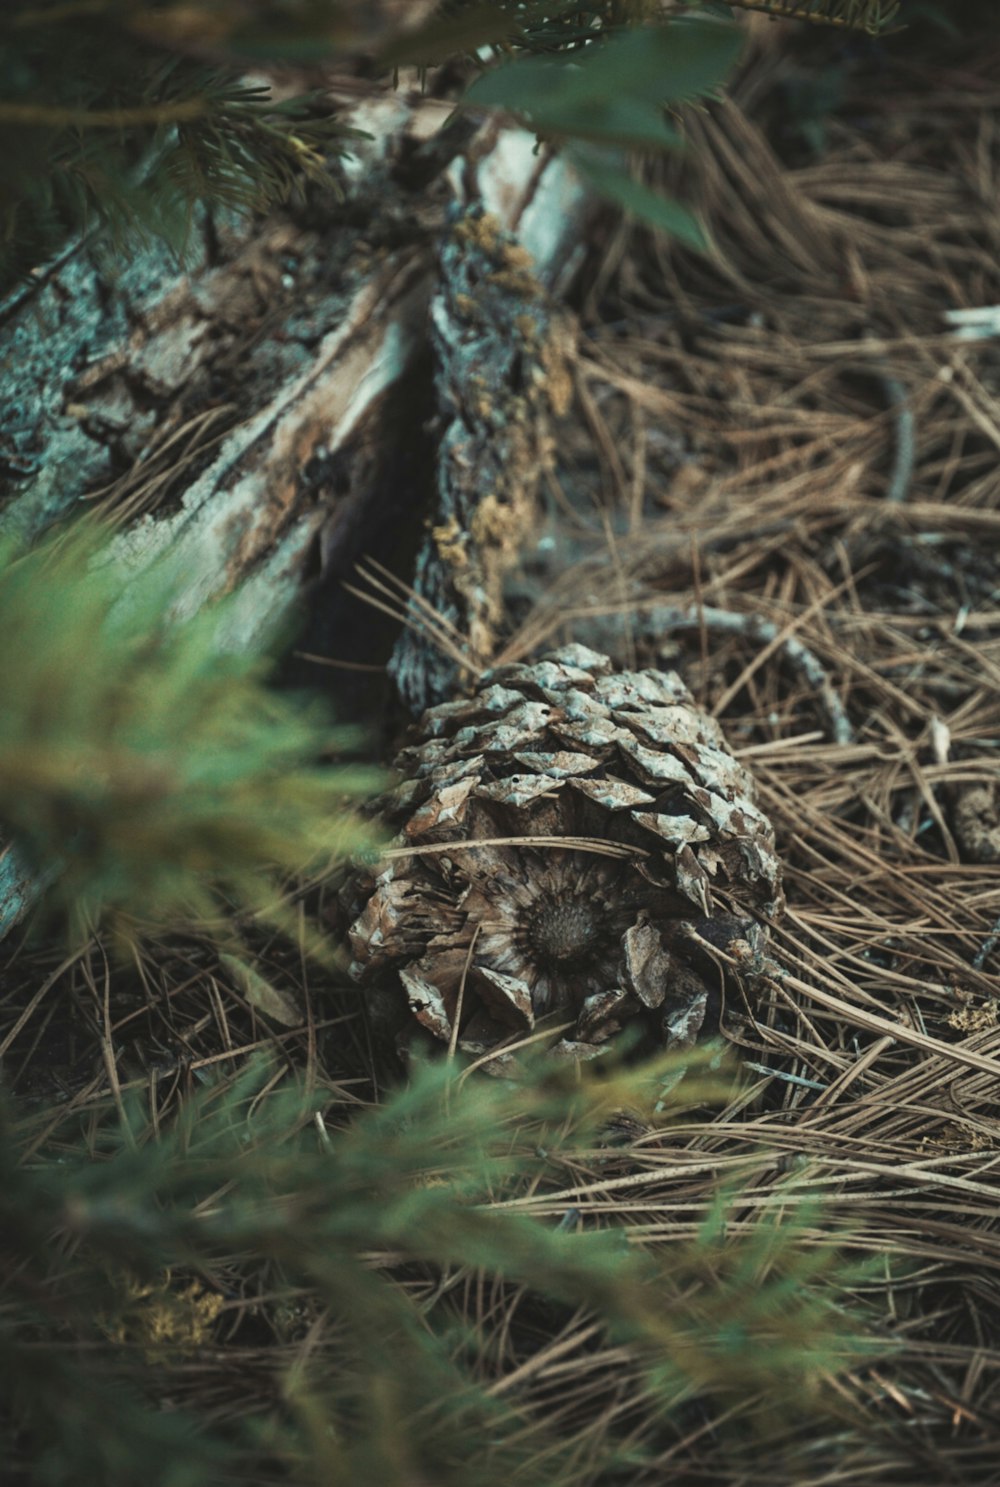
{"type": "Point", "coordinates": [782, 478]}
{"type": "Point", "coordinates": [816, 461]}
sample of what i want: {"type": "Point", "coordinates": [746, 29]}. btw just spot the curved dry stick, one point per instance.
{"type": "Point", "coordinates": [905, 454]}
{"type": "Point", "coordinates": [753, 627]}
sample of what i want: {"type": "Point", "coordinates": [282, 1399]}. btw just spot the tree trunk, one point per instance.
{"type": "Point", "coordinates": [367, 378]}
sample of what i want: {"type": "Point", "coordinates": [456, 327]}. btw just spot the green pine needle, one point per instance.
{"type": "Point", "coordinates": [161, 778]}
{"type": "Point", "coordinates": [872, 16]}
{"type": "Point", "coordinates": [103, 129]}
{"type": "Point", "coordinates": [389, 1392]}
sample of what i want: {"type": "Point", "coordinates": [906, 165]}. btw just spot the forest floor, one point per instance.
{"type": "Point", "coordinates": [796, 434]}
{"type": "Point", "coordinates": [792, 432]}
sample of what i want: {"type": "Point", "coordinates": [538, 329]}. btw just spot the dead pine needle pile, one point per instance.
{"type": "Point", "coordinates": [782, 480]}
{"type": "Point", "coordinates": [777, 1259]}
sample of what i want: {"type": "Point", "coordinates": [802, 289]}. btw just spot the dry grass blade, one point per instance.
{"type": "Point", "coordinates": [598, 845]}
{"type": "Point", "coordinates": [400, 602]}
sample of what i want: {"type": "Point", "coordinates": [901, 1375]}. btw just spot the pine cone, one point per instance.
{"type": "Point", "coordinates": [593, 853]}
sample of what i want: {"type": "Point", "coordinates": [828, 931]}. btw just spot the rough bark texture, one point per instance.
{"type": "Point", "coordinates": [497, 343]}
{"type": "Point", "coordinates": [226, 415]}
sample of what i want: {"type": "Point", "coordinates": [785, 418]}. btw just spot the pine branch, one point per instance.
{"type": "Point", "coordinates": [872, 16]}
{"type": "Point", "coordinates": [434, 1178]}
{"type": "Point", "coordinates": [101, 128]}
{"type": "Point", "coordinates": [162, 777]}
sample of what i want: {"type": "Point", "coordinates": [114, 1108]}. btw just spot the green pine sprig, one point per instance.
{"type": "Point", "coordinates": [872, 16]}
{"type": "Point", "coordinates": [153, 777]}
{"type": "Point", "coordinates": [250, 1178]}
{"type": "Point", "coordinates": [103, 129]}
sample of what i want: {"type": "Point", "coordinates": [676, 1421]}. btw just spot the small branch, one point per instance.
{"type": "Point", "coordinates": [764, 632]}
{"type": "Point", "coordinates": [905, 454]}
{"type": "Point", "coordinates": [987, 948]}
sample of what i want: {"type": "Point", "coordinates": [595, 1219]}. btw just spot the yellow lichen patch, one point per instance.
{"type": "Point", "coordinates": [492, 522]}
{"type": "Point", "coordinates": [516, 256]}
{"type": "Point", "coordinates": [451, 543]}
{"type": "Point", "coordinates": [515, 271]}
{"type": "Point", "coordinates": [498, 530]}
{"type": "Point", "coordinates": [163, 1320]}
{"type": "Point", "coordinates": [517, 281]}
{"type": "Point", "coordinates": [555, 358]}
{"type": "Point", "coordinates": [975, 1019]}
{"type": "Point", "coordinates": [482, 232]}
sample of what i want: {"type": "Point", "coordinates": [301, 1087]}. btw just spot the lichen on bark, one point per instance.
{"type": "Point", "coordinates": [499, 344]}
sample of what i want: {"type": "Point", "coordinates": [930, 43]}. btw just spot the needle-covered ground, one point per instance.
{"type": "Point", "coordinates": [779, 477]}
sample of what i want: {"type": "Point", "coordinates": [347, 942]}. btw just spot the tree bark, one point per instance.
{"type": "Point", "coordinates": [262, 416]}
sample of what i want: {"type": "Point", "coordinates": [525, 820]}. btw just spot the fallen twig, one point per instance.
{"type": "Point", "coordinates": [753, 627]}
{"type": "Point", "coordinates": [987, 948]}
{"type": "Point", "coordinates": [905, 453]}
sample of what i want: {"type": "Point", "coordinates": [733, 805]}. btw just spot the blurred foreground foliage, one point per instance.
{"type": "Point", "coordinates": [126, 115]}
{"type": "Point", "coordinates": [151, 778]}
{"type": "Point", "coordinates": [613, 99]}
{"type": "Point", "coordinates": [141, 1258]}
